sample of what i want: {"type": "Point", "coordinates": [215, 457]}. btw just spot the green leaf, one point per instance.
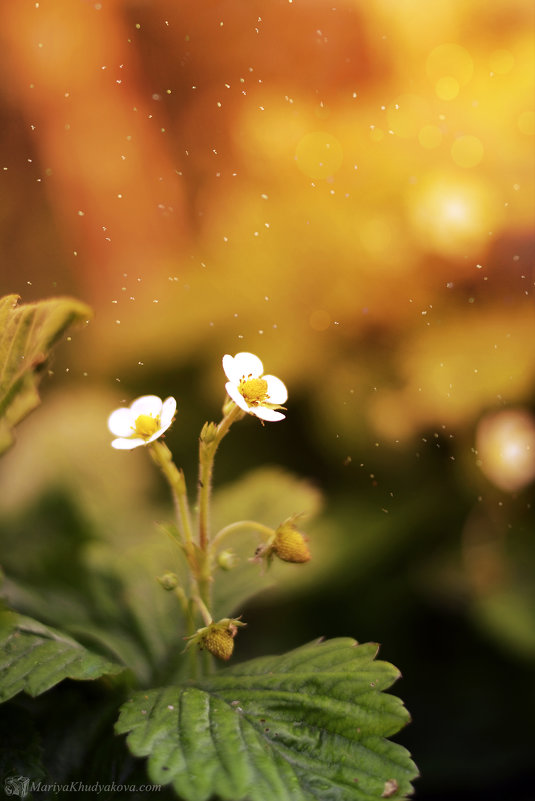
{"type": "Point", "coordinates": [306, 726]}
{"type": "Point", "coordinates": [34, 657]}
{"type": "Point", "coordinates": [27, 333]}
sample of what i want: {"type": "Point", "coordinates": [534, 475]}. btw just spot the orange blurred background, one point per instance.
{"type": "Point", "coordinates": [346, 190]}
{"type": "Point", "coordinates": [314, 183]}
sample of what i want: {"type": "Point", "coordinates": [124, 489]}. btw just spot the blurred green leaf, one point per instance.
{"type": "Point", "coordinates": [33, 657]}
{"type": "Point", "coordinates": [306, 725]}
{"type": "Point", "coordinates": [27, 333]}
{"type": "Point", "coordinates": [509, 616]}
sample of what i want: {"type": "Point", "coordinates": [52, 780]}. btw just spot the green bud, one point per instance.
{"type": "Point", "coordinates": [208, 433]}
{"type": "Point", "coordinates": [227, 560]}
{"type": "Point", "coordinates": [168, 581]}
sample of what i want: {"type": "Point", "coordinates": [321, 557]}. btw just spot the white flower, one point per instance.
{"type": "Point", "coordinates": [144, 421]}
{"type": "Point", "coordinates": [251, 390]}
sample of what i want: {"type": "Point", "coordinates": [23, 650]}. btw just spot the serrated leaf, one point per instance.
{"type": "Point", "coordinates": [34, 657]}
{"type": "Point", "coordinates": [27, 334]}
{"type": "Point", "coordinates": [306, 726]}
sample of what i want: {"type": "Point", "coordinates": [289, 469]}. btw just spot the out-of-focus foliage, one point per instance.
{"type": "Point", "coordinates": [52, 655]}
{"type": "Point", "coordinates": [334, 186]}
{"type": "Point", "coordinates": [26, 335]}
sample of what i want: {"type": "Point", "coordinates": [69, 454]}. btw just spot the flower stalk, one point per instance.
{"type": "Point", "coordinates": [177, 482]}
{"type": "Point", "coordinates": [240, 525]}
{"type": "Point", "coordinates": [209, 442]}
{"type": "Point", "coordinates": [249, 391]}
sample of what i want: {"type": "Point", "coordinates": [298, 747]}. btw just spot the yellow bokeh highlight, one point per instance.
{"type": "Point", "coordinates": [450, 60]}
{"type": "Point", "coordinates": [467, 151]}
{"type": "Point", "coordinates": [406, 115]}
{"type": "Point", "coordinates": [453, 216]}
{"type": "Point", "coordinates": [501, 61]}
{"type": "Point", "coordinates": [526, 123]}
{"type": "Point", "coordinates": [319, 155]}
{"type": "Point", "coordinates": [505, 443]}
{"type": "Point", "coordinates": [447, 87]}
{"type": "Point", "coordinates": [430, 136]}
{"type": "Point", "coordinates": [457, 368]}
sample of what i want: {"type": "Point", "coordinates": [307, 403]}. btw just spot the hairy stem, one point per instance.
{"type": "Point", "coordinates": [240, 525]}
{"type": "Point", "coordinates": [209, 442]}
{"type": "Point", "coordinates": [208, 445]}
{"type": "Point", "coordinates": [177, 482]}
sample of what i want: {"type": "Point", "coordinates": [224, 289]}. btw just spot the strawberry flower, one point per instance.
{"type": "Point", "coordinates": [252, 391]}
{"type": "Point", "coordinates": [144, 421]}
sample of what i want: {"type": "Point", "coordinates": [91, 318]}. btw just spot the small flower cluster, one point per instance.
{"type": "Point", "coordinates": [149, 417]}
{"type": "Point", "coordinates": [249, 391]}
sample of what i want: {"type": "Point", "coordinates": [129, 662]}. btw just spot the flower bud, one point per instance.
{"type": "Point", "coordinates": [227, 560]}
{"type": "Point", "coordinates": [208, 433]}
{"type": "Point", "coordinates": [168, 581]}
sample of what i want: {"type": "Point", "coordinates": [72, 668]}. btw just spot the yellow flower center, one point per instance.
{"type": "Point", "coordinates": [254, 390]}
{"type": "Point", "coordinates": [146, 425]}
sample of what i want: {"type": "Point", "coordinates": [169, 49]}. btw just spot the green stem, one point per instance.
{"type": "Point", "coordinates": [177, 482]}
{"type": "Point", "coordinates": [193, 652]}
{"type": "Point", "coordinates": [206, 616]}
{"type": "Point", "coordinates": [181, 595]}
{"type": "Point", "coordinates": [265, 531]}
{"type": "Point", "coordinates": [209, 442]}
{"type": "Point", "coordinates": [207, 450]}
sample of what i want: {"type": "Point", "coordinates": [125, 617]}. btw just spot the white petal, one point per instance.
{"type": "Point", "coordinates": [126, 444]}
{"type": "Point", "coordinates": [267, 414]}
{"type": "Point", "coordinates": [277, 392]}
{"type": "Point", "coordinates": [237, 397]}
{"type": "Point", "coordinates": [228, 367]}
{"type": "Point", "coordinates": [247, 364]}
{"type": "Point", "coordinates": [167, 413]}
{"type": "Point", "coordinates": [121, 422]}
{"type": "Point", "coordinates": [147, 404]}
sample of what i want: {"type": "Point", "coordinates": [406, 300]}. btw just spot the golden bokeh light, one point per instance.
{"type": "Point", "coordinates": [450, 60]}
{"type": "Point", "coordinates": [453, 215]}
{"type": "Point", "coordinates": [319, 155]}
{"type": "Point", "coordinates": [447, 87]}
{"type": "Point", "coordinates": [407, 114]}
{"type": "Point", "coordinates": [467, 151]}
{"type": "Point", "coordinates": [430, 136]}
{"type": "Point", "coordinates": [376, 134]}
{"type": "Point", "coordinates": [505, 444]}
